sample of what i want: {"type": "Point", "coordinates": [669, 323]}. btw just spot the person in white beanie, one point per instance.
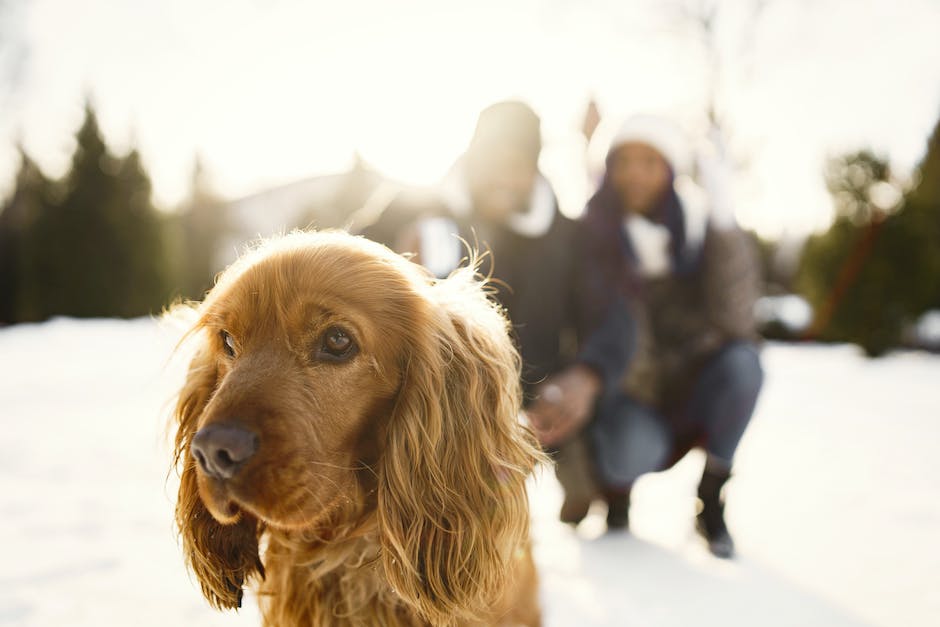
{"type": "Point", "coordinates": [692, 278]}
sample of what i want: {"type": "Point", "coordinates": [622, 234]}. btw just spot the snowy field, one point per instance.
{"type": "Point", "coordinates": [835, 505]}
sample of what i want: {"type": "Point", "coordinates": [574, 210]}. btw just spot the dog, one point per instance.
{"type": "Point", "coordinates": [349, 442]}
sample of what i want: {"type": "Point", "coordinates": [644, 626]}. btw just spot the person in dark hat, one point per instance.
{"type": "Point", "coordinates": [572, 329]}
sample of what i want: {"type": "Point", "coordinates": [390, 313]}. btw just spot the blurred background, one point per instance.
{"type": "Point", "coordinates": [163, 135]}
{"type": "Point", "coordinates": [142, 144]}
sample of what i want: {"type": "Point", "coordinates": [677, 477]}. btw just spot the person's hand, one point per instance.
{"type": "Point", "coordinates": [564, 404]}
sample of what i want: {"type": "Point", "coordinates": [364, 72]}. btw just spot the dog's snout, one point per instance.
{"type": "Point", "coordinates": [221, 450]}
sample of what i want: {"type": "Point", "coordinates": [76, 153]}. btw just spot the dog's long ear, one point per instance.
{"type": "Point", "coordinates": [222, 557]}
{"type": "Point", "coordinates": [452, 499]}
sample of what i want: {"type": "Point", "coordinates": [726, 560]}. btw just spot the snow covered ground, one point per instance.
{"type": "Point", "coordinates": [836, 502]}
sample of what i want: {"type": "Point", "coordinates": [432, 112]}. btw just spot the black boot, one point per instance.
{"type": "Point", "coordinates": [710, 522]}
{"type": "Point", "coordinates": [573, 467]}
{"type": "Point", "coordinates": [574, 510]}
{"type": "Point", "coordinates": [618, 510]}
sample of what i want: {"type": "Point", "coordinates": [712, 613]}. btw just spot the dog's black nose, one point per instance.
{"type": "Point", "coordinates": [221, 450]}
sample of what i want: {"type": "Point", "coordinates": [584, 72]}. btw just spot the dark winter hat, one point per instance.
{"type": "Point", "coordinates": [508, 122]}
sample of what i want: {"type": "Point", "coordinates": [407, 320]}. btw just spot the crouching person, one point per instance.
{"type": "Point", "coordinates": [693, 280]}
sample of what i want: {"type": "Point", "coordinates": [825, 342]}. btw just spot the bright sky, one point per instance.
{"type": "Point", "coordinates": [269, 92]}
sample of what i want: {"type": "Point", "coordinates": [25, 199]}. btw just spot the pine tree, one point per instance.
{"type": "Point", "coordinates": [922, 204]}
{"type": "Point", "coordinates": [72, 247]}
{"type": "Point", "coordinates": [878, 266]}
{"type": "Point", "coordinates": [98, 250]}
{"type": "Point", "coordinates": [144, 277]}
{"type": "Point", "coordinates": [31, 194]}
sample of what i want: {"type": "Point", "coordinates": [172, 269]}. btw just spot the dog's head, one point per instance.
{"type": "Point", "coordinates": [336, 380]}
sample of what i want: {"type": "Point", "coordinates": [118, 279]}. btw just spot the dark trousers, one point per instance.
{"type": "Point", "coordinates": [631, 439]}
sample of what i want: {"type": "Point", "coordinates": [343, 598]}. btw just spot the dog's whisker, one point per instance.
{"type": "Point", "coordinates": [336, 466]}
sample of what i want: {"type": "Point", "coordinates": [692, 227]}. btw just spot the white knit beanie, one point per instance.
{"type": "Point", "coordinates": [667, 138]}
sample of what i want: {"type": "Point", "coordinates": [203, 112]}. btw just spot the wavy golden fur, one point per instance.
{"type": "Point", "coordinates": [388, 487]}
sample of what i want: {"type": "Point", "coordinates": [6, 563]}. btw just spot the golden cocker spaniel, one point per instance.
{"type": "Point", "coordinates": [349, 442]}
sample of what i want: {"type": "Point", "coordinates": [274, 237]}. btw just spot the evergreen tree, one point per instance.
{"type": "Point", "coordinates": [98, 250]}
{"type": "Point", "coordinates": [922, 204]}
{"type": "Point", "coordinates": [72, 248]}
{"type": "Point", "coordinates": [143, 279]}
{"type": "Point", "coordinates": [878, 266]}
{"type": "Point", "coordinates": [31, 194]}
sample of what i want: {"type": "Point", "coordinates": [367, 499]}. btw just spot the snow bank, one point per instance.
{"type": "Point", "coordinates": [835, 503]}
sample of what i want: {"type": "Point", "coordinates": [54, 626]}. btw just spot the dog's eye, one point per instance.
{"type": "Point", "coordinates": [337, 344]}
{"type": "Point", "coordinates": [228, 344]}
